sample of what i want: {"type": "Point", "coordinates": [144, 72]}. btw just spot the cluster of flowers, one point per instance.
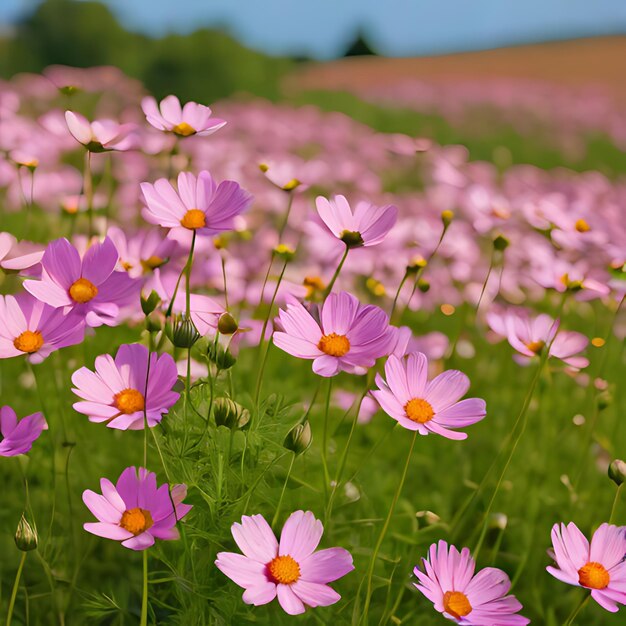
{"type": "Point", "coordinates": [74, 285]}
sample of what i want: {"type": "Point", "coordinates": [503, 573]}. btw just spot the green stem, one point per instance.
{"type": "Point", "coordinates": [395, 299]}
{"type": "Point", "coordinates": [325, 438]}
{"type": "Point", "coordinates": [144, 598]}
{"type": "Point", "coordinates": [383, 532]}
{"type": "Point", "coordinates": [16, 585]}
{"type": "Point", "coordinates": [282, 493]}
{"type": "Point", "coordinates": [618, 492]}
{"type": "Point", "coordinates": [225, 285]}
{"type": "Point", "coordinates": [577, 610]}
{"type": "Point", "coordinates": [486, 281]}
{"type": "Point", "coordinates": [331, 284]}
{"type": "Point", "coordinates": [88, 190]}
{"type": "Point", "coordinates": [283, 226]}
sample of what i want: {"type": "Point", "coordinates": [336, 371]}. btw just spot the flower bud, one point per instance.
{"type": "Point", "coordinates": [446, 217]}
{"type": "Point", "coordinates": [220, 356]}
{"type": "Point", "coordinates": [69, 90]}
{"type": "Point", "coordinates": [284, 252]}
{"type": "Point", "coordinates": [581, 226]}
{"type": "Point", "coordinates": [428, 517]}
{"type": "Point", "coordinates": [423, 285]}
{"type": "Point", "coordinates": [604, 399]}
{"type": "Point", "coordinates": [617, 471]}
{"type": "Point", "coordinates": [154, 322]}
{"type": "Point", "coordinates": [416, 264]}
{"type": "Point", "coordinates": [498, 521]}
{"type": "Point", "coordinates": [500, 243]}
{"type": "Point", "coordinates": [150, 303]}
{"type": "Point", "coordinates": [229, 413]}
{"type": "Point", "coordinates": [220, 242]}
{"type": "Point", "coordinates": [375, 287]}
{"type": "Point", "coordinates": [227, 324]}
{"type": "Point", "coordinates": [26, 536]}
{"type": "Point", "coordinates": [299, 438]}
{"type": "Point", "coordinates": [183, 333]}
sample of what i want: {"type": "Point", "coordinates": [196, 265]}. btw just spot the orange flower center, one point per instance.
{"type": "Point", "coordinates": [129, 401]}
{"type": "Point", "coordinates": [136, 521]}
{"type": "Point", "coordinates": [334, 344]}
{"type": "Point", "coordinates": [151, 263]}
{"type": "Point", "coordinates": [313, 284]}
{"type": "Point", "coordinates": [28, 341]}
{"type": "Point", "coordinates": [83, 291]}
{"type": "Point", "coordinates": [593, 576]}
{"type": "Point", "coordinates": [194, 218]}
{"type": "Point", "coordinates": [456, 604]}
{"type": "Point", "coordinates": [536, 346]}
{"type": "Point", "coordinates": [184, 130]}
{"type": "Point", "coordinates": [284, 569]}
{"type": "Point", "coordinates": [581, 226]}
{"type": "Point", "coordinates": [419, 410]}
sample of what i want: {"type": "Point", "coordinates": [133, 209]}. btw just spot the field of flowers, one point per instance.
{"type": "Point", "coordinates": [221, 333]}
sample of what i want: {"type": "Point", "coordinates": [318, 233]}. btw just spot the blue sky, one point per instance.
{"type": "Point", "coordinates": [323, 28]}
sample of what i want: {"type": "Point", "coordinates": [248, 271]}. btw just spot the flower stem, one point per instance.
{"type": "Point", "coordinates": [395, 299]}
{"type": "Point", "coordinates": [16, 585]}
{"type": "Point", "coordinates": [325, 438]}
{"type": "Point", "coordinates": [331, 284]}
{"type": "Point", "coordinates": [144, 597]}
{"type": "Point", "coordinates": [88, 191]}
{"type": "Point", "coordinates": [283, 226]}
{"type": "Point", "coordinates": [577, 610]}
{"type": "Point", "coordinates": [282, 493]}
{"type": "Point", "coordinates": [383, 532]}
{"type": "Point", "coordinates": [618, 493]}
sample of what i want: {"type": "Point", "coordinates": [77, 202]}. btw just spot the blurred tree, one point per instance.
{"type": "Point", "coordinates": [360, 46]}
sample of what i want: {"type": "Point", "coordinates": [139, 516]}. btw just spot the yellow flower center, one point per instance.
{"type": "Point", "coordinates": [184, 130]}
{"type": "Point", "coordinates": [83, 291]}
{"type": "Point", "coordinates": [419, 410]}
{"type": "Point", "coordinates": [334, 344]}
{"type": "Point", "coordinates": [593, 576]}
{"type": "Point", "coordinates": [581, 226]}
{"type": "Point", "coordinates": [456, 604]}
{"type": "Point", "coordinates": [536, 346]}
{"type": "Point", "coordinates": [284, 569]}
{"type": "Point", "coordinates": [194, 218]}
{"type": "Point", "coordinates": [313, 284]}
{"type": "Point", "coordinates": [136, 521]}
{"type": "Point", "coordinates": [129, 401]}
{"type": "Point", "coordinates": [28, 341]}
{"type": "Point", "coordinates": [151, 263]}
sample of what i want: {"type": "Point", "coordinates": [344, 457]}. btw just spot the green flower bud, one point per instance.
{"type": "Point", "coordinates": [500, 243]}
{"type": "Point", "coordinates": [284, 252]}
{"type": "Point", "coordinates": [617, 471]}
{"type": "Point", "coordinates": [604, 399]}
{"type": "Point", "coordinates": [183, 333]}
{"type": "Point", "coordinates": [416, 264]}
{"type": "Point", "coordinates": [26, 536]}
{"type": "Point", "coordinates": [227, 324]}
{"type": "Point", "coordinates": [299, 438]}
{"type": "Point", "coordinates": [220, 356]}
{"type": "Point", "coordinates": [446, 217]}
{"type": "Point", "coordinates": [149, 304]}
{"type": "Point", "coordinates": [423, 285]}
{"type": "Point", "coordinates": [229, 413]}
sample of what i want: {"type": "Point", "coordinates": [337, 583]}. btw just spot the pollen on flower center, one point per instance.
{"type": "Point", "coordinates": [593, 576]}
{"type": "Point", "coordinates": [129, 401]}
{"type": "Point", "coordinates": [334, 344]}
{"type": "Point", "coordinates": [152, 262]}
{"type": "Point", "coordinates": [456, 604]}
{"type": "Point", "coordinates": [284, 569]}
{"type": "Point", "coordinates": [419, 410]}
{"type": "Point", "coordinates": [83, 290]}
{"type": "Point", "coordinates": [536, 346]}
{"type": "Point", "coordinates": [29, 341]}
{"type": "Point", "coordinates": [136, 520]}
{"type": "Point", "coordinates": [194, 218]}
{"type": "Point", "coordinates": [183, 129]}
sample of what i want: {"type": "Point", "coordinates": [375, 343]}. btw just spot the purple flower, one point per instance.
{"type": "Point", "coordinates": [290, 570]}
{"type": "Point", "coordinates": [199, 205]}
{"type": "Point", "coordinates": [122, 389]}
{"type": "Point", "coordinates": [135, 511]}
{"type": "Point", "coordinates": [449, 581]}
{"type": "Point", "coordinates": [367, 226]}
{"type": "Point", "coordinates": [89, 286]}
{"type": "Point", "coordinates": [428, 407]}
{"type": "Point", "coordinates": [349, 336]}
{"type": "Point", "coordinates": [30, 327]}
{"type": "Point", "coordinates": [18, 436]}
{"type": "Point", "coordinates": [192, 119]}
{"type": "Point", "coordinates": [100, 135]}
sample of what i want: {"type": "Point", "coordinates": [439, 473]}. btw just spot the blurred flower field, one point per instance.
{"type": "Point", "coordinates": [266, 363]}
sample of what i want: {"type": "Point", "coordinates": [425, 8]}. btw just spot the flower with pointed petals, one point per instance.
{"type": "Point", "coordinates": [290, 569]}
{"type": "Point", "coordinates": [89, 286]}
{"type": "Point", "coordinates": [200, 205]}
{"type": "Point", "coordinates": [135, 511]}
{"type": "Point", "coordinates": [191, 119]}
{"type": "Point", "coordinates": [350, 336]}
{"type": "Point", "coordinates": [100, 135]}
{"type": "Point", "coordinates": [448, 579]}
{"type": "Point", "coordinates": [122, 389]}
{"type": "Point", "coordinates": [18, 436]}
{"type": "Point", "coordinates": [367, 226]}
{"type": "Point", "coordinates": [600, 567]}
{"type": "Point", "coordinates": [30, 327]}
{"type": "Point", "coordinates": [428, 407]}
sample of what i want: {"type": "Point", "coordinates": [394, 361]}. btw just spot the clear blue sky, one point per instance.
{"type": "Point", "coordinates": [323, 28]}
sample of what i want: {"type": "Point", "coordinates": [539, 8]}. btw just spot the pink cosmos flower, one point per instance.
{"type": "Point", "coordinates": [367, 226]}
{"type": "Point", "coordinates": [428, 407]}
{"type": "Point", "coordinates": [192, 119]}
{"type": "Point", "coordinates": [135, 511]}
{"type": "Point", "coordinates": [200, 205]}
{"type": "Point", "coordinates": [122, 389]}
{"type": "Point", "coordinates": [100, 135]}
{"type": "Point", "coordinates": [600, 566]}
{"type": "Point", "coordinates": [89, 286]}
{"type": "Point", "coordinates": [530, 335]}
{"type": "Point", "coordinates": [449, 582]}
{"type": "Point", "coordinates": [348, 337]}
{"type": "Point", "coordinates": [291, 569]}
{"type": "Point", "coordinates": [30, 327]}
{"type": "Point", "coordinates": [18, 437]}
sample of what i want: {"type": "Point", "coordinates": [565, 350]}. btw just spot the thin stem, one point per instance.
{"type": "Point", "coordinates": [283, 226]}
{"type": "Point", "coordinates": [16, 585]}
{"type": "Point", "coordinates": [282, 493]}
{"type": "Point", "coordinates": [577, 610]}
{"type": "Point", "coordinates": [395, 299]}
{"type": "Point", "coordinates": [618, 493]}
{"type": "Point", "coordinates": [183, 272]}
{"type": "Point", "coordinates": [88, 191]}
{"type": "Point", "coordinates": [383, 532]}
{"type": "Point", "coordinates": [225, 284]}
{"type": "Point", "coordinates": [144, 598]}
{"type": "Point", "coordinates": [486, 281]}
{"type": "Point", "coordinates": [331, 284]}
{"type": "Point", "coordinates": [325, 438]}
